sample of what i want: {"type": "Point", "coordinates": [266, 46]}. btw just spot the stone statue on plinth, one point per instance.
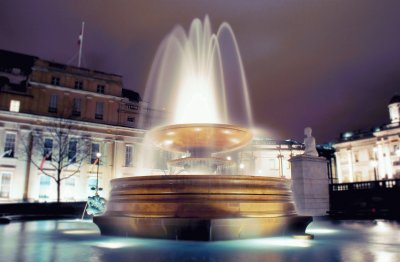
{"type": "Point", "coordinates": [310, 185]}
{"type": "Point", "coordinates": [309, 143]}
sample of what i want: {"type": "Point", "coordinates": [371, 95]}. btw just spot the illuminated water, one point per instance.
{"type": "Point", "coordinates": [198, 77]}
{"type": "Point", "coordinates": [70, 240]}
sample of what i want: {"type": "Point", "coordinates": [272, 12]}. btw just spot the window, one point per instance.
{"type": "Point", "coordinates": [100, 89]}
{"type": "Point", "coordinates": [128, 155]}
{"type": "Point", "coordinates": [272, 164]}
{"type": "Point", "coordinates": [9, 145]}
{"type": "Point", "coordinates": [99, 110]}
{"type": "Point", "coordinates": [55, 81]}
{"type": "Point", "coordinates": [44, 187]}
{"type": "Point", "coordinates": [95, 150]}
{"type": "Point", "coordinates": [14, 105]}
{"type": "Point", "coordinates": [76, 107]}
{"type": "Point", "coordinates": [72, 151]}
{"type": "Point", "coordinates": [69, 191]}
{"type": "Point", "coordinates": [78, 85]}
{"type": "Point", "coordinates": [47, 148]}
{"type": "Point", "coordinates": [92, 182]}
{"type": "Point", "coordinates": [5, 179]}
{"type": "Point", "coordinates": [356, 159]}
{"type": "Point", "coordinates": [53, 104]}
{"type": "Point", "coordinates": [131, 119]}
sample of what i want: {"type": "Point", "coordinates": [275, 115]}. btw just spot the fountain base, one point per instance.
{"type": "Point", "coordinates": [201, 207]}
{"type": "Point", "coordinates": [201, 229]}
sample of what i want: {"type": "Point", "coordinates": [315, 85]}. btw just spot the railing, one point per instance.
{"type": "Point", "coordinates": [367, 185]}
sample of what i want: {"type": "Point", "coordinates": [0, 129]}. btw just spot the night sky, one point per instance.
{"type": "Point", "coordinates": [332, 65]}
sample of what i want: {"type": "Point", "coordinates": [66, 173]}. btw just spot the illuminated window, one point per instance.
{"type": "Point", "coordinates": [128, 155]}
{"type": "Point", "coordinates": [92, 181]}
{"type": "Point", "coordinates": [356, 157]}
{"type": "Point", "coordinates": [69, 191]}
{"type": "Point", "coordinates": [14, 105]}
{"type": "Point", "coordinates": [44, 187]}
{"type": "Point", "coordinates": [9, 145]}
{"type": "Point", "coordinates": [5, 179]}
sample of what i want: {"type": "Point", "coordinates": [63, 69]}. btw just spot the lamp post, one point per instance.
{"type": "Point", "coordinates": [98, 155]}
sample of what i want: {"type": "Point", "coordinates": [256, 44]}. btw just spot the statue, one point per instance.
{"type": "Point", "coordinates": [96, 205]}
{"type": "Point", "coordinates": [309, 143]}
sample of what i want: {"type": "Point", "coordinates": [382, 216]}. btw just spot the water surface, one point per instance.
{"type": "Point", "coordinates": [74, 240]}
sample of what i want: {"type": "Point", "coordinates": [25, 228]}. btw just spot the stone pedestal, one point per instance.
{"type": "Point", "coordinates": [310, 185]}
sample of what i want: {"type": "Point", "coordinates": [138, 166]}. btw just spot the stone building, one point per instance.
{"type": "Point", "coordinates": [35, 95]}
{"type": "Point", "coordinates": [96, 113]}
{"type": "Point", "coordinates": [372, 154]}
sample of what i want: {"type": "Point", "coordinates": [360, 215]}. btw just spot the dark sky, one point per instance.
{"type": "Point", "coordinates": [329, 64]}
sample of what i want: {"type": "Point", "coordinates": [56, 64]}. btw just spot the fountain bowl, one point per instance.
{"type": "Point", "coordinates": [200, 139]}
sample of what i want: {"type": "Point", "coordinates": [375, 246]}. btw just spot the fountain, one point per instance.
{"type": "Point", "coordinates": [191, 75]}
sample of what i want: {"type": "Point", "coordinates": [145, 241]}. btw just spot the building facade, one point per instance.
{"type": "Point", "coordinates": [80, 127]}
{"type": "Point", "coordinates": [372, 154]}
{"type": "Point", "coordinates": [42, 100]}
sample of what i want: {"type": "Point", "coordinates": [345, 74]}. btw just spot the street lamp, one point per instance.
{"type": "Point", "coordinates": [98, 155]}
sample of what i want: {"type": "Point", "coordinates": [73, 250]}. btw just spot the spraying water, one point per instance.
{"type": "Point", "coordinates": [196, 77]}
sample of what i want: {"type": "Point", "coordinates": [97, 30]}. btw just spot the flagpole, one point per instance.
{"type": "Point", "coordinates": [81, 44]}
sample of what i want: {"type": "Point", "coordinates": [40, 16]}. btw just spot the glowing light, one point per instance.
{"type": "Point", "coordinates": [228, 158]}
{"type": "Point", "coordinates": [168, 142]}
{"type": "Point", "coordinates": [225, 131]}
{"type": "Point", "coordinates": [235, 140]}
{"type": "Point", "coordinates": [280, 241]}
{"type": "Point", "coordinates": [79, 232]}
{"type": "Point", "coordinates": [197, 129]}
{"type": "Point", "coordinates": [321, 231]}
{"type": "Point", "coordinates": [381, 227]}
{"type": "Point", "coordinates": [170, 133]}
{"type": "Point", "coordinates": [241, 166]}
{"type": "Point", "coordinates": [114, 245]}
{"type": "Point", "coordinates": [196, 98]}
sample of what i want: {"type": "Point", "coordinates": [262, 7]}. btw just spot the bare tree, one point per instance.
{"type": "Point", "coordinates": [58, 150]}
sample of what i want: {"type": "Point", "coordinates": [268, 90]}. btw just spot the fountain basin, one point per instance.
{"type": "Point", "coordinates": [200, 139]}
{"type": "Point", "coordinates": [201, 207]}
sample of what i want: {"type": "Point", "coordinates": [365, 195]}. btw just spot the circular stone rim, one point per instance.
{"type": "Point", "coordinates": [160, 134]}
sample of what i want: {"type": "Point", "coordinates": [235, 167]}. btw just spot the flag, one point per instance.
{"type": "Point", "coordinates": [7, 153]}
{"type": "Point", "coordinates": [80, 39]}
{"type": "Point", "coordinates": [45, 157]}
